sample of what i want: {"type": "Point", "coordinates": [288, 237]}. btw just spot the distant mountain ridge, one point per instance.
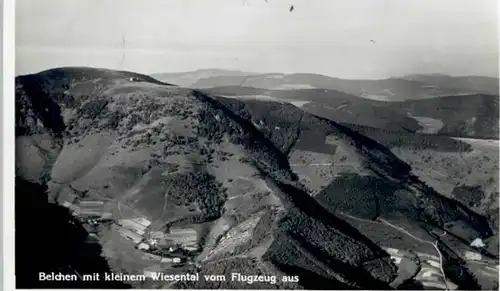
{"type": "Point", "coordinates": [186, 79]}
{"type": "Point", "coordinates": [391, 89]}
{"type": "Point", "coordinates": [478, 84]}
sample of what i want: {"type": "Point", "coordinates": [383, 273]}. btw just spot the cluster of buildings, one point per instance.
{"type": "Point", "coordinates": [173, 244]}
{"type": "Point", "coordinates": [185, 238]}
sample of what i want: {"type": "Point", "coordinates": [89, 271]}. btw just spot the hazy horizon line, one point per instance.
{"type": "Point", "coordinates": [258, 73]}
{"type": "Point", "coordinates": [326, 75]}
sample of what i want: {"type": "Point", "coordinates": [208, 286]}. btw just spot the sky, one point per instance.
{"type": "Point", "coordinates": [341, 38]}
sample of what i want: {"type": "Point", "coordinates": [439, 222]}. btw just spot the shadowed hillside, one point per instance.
{"type": "Point", "coordinates": [61, 243]}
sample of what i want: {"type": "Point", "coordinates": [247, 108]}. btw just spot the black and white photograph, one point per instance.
{"type": "Point", "coordinates": [256, 144]}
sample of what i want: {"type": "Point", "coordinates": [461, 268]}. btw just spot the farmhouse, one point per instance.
{"type": "Point", "coordinates": [143, 246]}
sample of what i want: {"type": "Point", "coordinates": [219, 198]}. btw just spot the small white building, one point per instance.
{"type": "Point", "coordinates": [152, 242]}
{"type": "Point", "coordinates": [143, 246]}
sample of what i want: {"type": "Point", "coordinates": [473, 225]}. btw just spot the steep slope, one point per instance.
{"type": "Point", "coordinates": [370, 183]}
{"type": "Point", "coordinates": [62, 234]}
{"type": "Point", "coordinates": [292, 130]}
{"type": "Point", "coordinates": [180, 158]}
